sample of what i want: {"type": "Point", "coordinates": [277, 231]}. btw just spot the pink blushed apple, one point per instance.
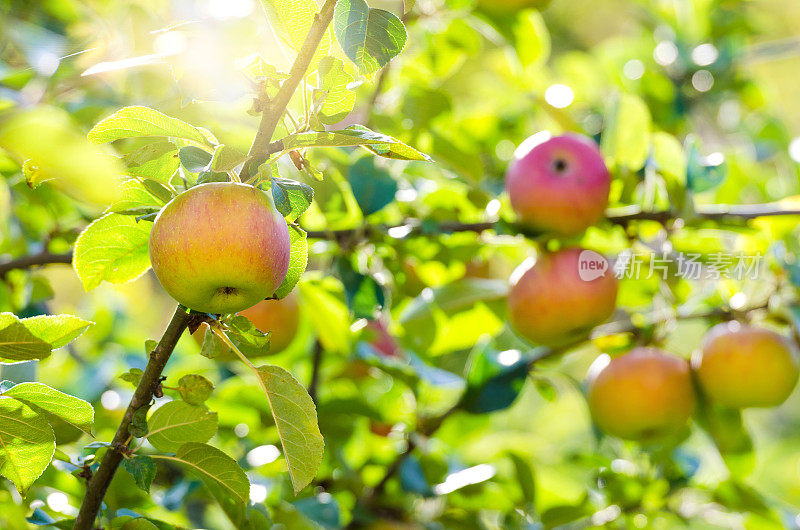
{"type": "Point", "coordinates": [220, 247]}
{"type": "Point", "coordinates": [559, 185]}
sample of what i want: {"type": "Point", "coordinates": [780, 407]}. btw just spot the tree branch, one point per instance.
{"type": "Point", "coordinates": [316, 362]}
{"type": "Point", "coordinates": [275, 107]}
{"type": "Point", "coordinates": [34, 260]}
{"type": "Point", "coordinates": [142, 397]}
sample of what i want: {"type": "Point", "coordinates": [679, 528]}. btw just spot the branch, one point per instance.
{"type": "Point", "coordinates": [275, 107]}
{"type": "Point", "coordinates": [142, 397]}
{"type": "Point", "coordinates": [315, 366]}
{"type": "Point", "coordinates": [34, 260]}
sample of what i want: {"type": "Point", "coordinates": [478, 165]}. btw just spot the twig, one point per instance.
{"type": "Point", "coordinates": [143, 395]}
{"type": "Point", "coordinates": [315, 366]}
{"type": "Point", "coordinates": [34, 260]}
{"type": "Point", "coordinates": [274, 108]}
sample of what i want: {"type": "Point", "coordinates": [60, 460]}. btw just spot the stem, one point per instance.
{"type": "Point", "coordinates": [259, 150]}
{"type": "Point", "coordinates": [143, 395]}
{"type": "Point", "coordinates": [26, 262]}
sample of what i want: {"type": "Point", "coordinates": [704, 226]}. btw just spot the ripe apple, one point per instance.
{"type": "Point", "coordinates": [555, 301]}
{"type": "Point", "coordinates": [281, 317]}
{"type": "Point", "coordinates": [220, 247]}
{"type": "Point", "coordinates": [558, 185]}
{"type": "Point", "coordinates": [643, 395]}
{"type": "Point", "coordinates": [741, 366]}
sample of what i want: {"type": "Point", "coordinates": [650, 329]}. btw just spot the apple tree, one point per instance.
{"type": "Point", "coordinates": [445, 264]}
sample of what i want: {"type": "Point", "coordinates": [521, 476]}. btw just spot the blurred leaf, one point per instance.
{"type": "Point", "coordinates": [50, 402]}
{"type": "Point", "coordinates": [525, 480]}
{"type": "Point", "coordinates": [454, 296]}
{"type": "Point", "coordinates": [412, 478]}
{"type": "Point", "coordinates": [532, 38]}
{"type": "Point", "coordinates": [143, 469]}
{"type": "Point", "coordinates": [292, 198]}
{"type": "Point", "coordinates": [296, 419]}
{"type": "Point", "coordinates": [704, 172]}
{"type": "Point", "coordinates": [333, 99]}
{"type": "Point", "coordinates": [669, 156]}
{"type": "Point", "coordinates": [27, 443]}
{"type": "Point", "coordinates": [369, 37]}
{"type": "Point", "coordinates": [492, 385]}
{"type": "Point", "coordinates": [57, 330]}
{"type": "Point", "coordinates": [626, 137]}
{"type": "Point", "coordinates": [323, 509]}
{"type": "Point", "coordinates": [194, 159]}
{"type": "Point", "coordinates": [330, 317]}
{"type": "Point", "coordinates": [363, 295]}
{"type": "Point", "coordinates": [178, 422]}
{"type": "Point", "coordinates": [730, 436]}
{"type": "Point", "coordinates": [372, 187]}
{"type": "Point", "coordinates": [355, 135]}
{"type": "Point", "coordinates": [40, 518]}
{"type": "Point", "coordinates": [114, 248]}
{"type": "Point", "coordinates": [135, 121]}
{"type": "Point", "coordinates": [195, 389]}
{"type": "Point", "coordinates": [298, 261]}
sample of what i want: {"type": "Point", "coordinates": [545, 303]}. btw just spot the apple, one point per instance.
{"type": "Point", "coordinates": [742, 366]}
{"type": "Point", "coordinates": [644, 395]}
{"type": "Point", "coordinates": [220, 247]}
{"type": "Point", "coordinates": [555, 301]}
{"type": "Point", "coordinates": [558, 185]}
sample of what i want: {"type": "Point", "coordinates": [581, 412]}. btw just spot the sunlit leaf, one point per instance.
{"type": "Point", "coordinates": [292, 198]}
{"type": "Point", "coordinates": [57, 330]}
{"type": "Point", "coordinates": [27, 443]}
{"type": "Point", "coordinates": [50, 402]}
{"type": "Point", "coordinates": [177, 422]}
{"type": "Point", "coordinates": [626, 137]}
{"type": "Point", "coordinates": [292, 19]}
{"type": "Point", "coordinates": [135, 121]}
{"type": "Point", "coordinates": [333, 98]}
{"type": "Point", "coordinates": [369, 37]}
{"type": "Point", "coordinates": [17, 343]}
{"type": "Point", "coordinates": [298, 261]}
{"type": "Point", "coordinates": [355, 135]}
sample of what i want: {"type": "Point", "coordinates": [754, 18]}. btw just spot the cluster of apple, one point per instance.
{"type": "Point", "coordinates": [560, 186]}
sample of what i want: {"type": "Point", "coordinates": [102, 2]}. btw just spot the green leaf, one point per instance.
{"type": "Point", "coordinates": [27, 443]}
{"type": "Point", "coordinates": [136, 198]}
{"type": "Point", "coordinates": [296, 419]}
{"type": "Point", "coordinates": [703, 172]}
{"type": "Point", "coordinates": [532, 38]}
{"type": "Point", "coordinates": [330, 317]}
{"type": "Point", "coordinates": [355, 135]}
{"type": "Point", "coordinates": [177, 422]}
{"type": "Point", "coordinates": [247, 338]}
{"type": "Point", "coordinates": [133, 376]}
{"type": "Point", "coordinates": [136, 121]}
{"type": "Point", "coordinates": [373, 187]}
{"type": "Point", "coordinates": [525, 479]}
{"type": "Point", "coordinates": [333, 99]}
{"type": "Point", "coordinates": [226, 158]}
{"type": "Point", "coordinates": [298, 261]}
{"type": "Point", "coordinates": [194, 159]}
{"type": "Point", "coordinates": [113, 248]}
{"type": "Point", "coordinates": [454, 296]}
{"type": "Point", "coordinates": [626, 138]}
{"type": "Point", "coordinates": [363, 295]}
{"type": "Point", "coordinates": [143, 469]}
{"type": "Point", "coordinates": [369, 37]}
{"type": "Point", "coordinates": [292, 20]}
{"type": "Point", "coordinates": [50, 402]}
{"type": "Point", "coordinates": [292, 198]}
{"type": "Point", "coordinates": [212, 346]}
{"type": "Point", "coordinates": [218, 471]}
{"type": "Point", "coordinates": [195, 389]}
{"type": "Point", "coordinates": [158, 161]}
{"type": "Point", "coordinates": [138, 426]}
{"type": "Point", "coordinates": [17, 343]}
{"type": "Point", "coordinates": [57, 330]}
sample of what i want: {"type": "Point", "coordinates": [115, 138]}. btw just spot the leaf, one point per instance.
{"type": "Point", "coordinates": [113, 248]}
{"type": "Point", "coordinates": [412, 478]}
{"type": "Point", "coordinates": [177, 422]}
{"type": "Point", "coordinates": [625, 141]}
{"type": "Point", "coordinates": [212, 346]}
{"type": "Point", "coordinates": [195, 389]}
{"type": "Point", "coordinates": [704, 172]}
{"type": "Point", "coordinates": [136, 198]}
{"type": "Point", "coordinates": [369, 37]}
{"type": "Point", "coordinates": [292, 19]}
{"type": "Point", "coordinates": [143, 469]}
{"type": "Point", "coordinates": [292, 198]}
{"type": "Point", "coordinates": [157, 160]}
{"type": "Point", "coordinates": [363, 295]}
{"type": "Point", "coordinates": [17, 343]}
{"type": "Point", "coordinates": [136, 121]}
{"type": "Point", "coordinates": [226, 158]}
{"type": "Point", "coordinates": [57, 330]}
{"type": "Point", "coordinates": [532, 38]}
{"type": "Point", "coordinates": [247, 338]}
{"type": "Point", "coordinates": [491, 385]}
{"type": "Point", "coordinates": [296, 419]}
{"type": "Point", "coordinates": [133, 376]}
{"type": "Point", "coordinates": [453, 297]}
{"type": "Point", "coordinates": [218, 471]}
{"type": "Point", "coordinates": [525, 479]}
{"type": "Point", "coordinates": [333, 99]}
{"type": "Point", "coordinates": [27, 443]}
{"type": "Point", "coordinates": [329, 318]}
{"type": "Point", "coordinates": [298, 260]}
{"type": "Point", "coordinates": [372, 187]}
{"type": "Point", "coordinates": [51, 402]}
{"type": "Point", "coordinates": [194, 159]}
{"type": "Point", "coordinates": [355, 135]}
{"type": "Point", "coordinates": [138, 426]}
